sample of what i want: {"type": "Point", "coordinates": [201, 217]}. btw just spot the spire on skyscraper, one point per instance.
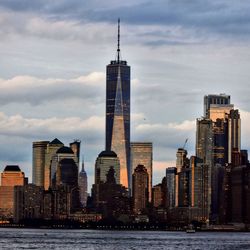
{"type": "Point", "coordinates": [118, 42]}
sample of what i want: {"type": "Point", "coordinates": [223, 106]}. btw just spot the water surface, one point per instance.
{"type": "Point", "coordinates": [119, 240]}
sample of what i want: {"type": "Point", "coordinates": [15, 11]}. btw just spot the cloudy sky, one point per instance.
{"type": "Point", "coordinates": [52, 71]}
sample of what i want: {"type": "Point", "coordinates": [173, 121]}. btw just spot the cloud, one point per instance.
{"type": "Point", "coordinates": [33, 90]}
{"type": "Point", "coordinates": [157, 23]}
{"type": "Point", "coordinates": [167, 137]}
{"type": "Point", "coordinates": [17, 125]}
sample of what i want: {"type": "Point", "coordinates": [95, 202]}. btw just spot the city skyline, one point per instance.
{"type": "Point", "coordinates": [162, 77]}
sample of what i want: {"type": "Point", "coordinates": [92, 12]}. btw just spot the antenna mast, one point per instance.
{"type": "Point", "coordinates": [118, 42]}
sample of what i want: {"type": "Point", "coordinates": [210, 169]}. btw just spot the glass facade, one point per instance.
{"type": "Point", "coordinates": [104, 161]}
{"type": "Point", "coordinates": [118, 115]}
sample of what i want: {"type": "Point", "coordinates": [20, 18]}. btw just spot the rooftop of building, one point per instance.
{"type": "Point", "coordinates": [65, 150]}
{"type": "Point", "coordinates": [107, 153]}
{"type": "Point", "coordinates": [55, 142]}
{"type": "Point", "coordinates": [12, 168]}
{"type": "Point", "coordinates": [140, 168]}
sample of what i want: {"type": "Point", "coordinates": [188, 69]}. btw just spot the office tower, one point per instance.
{"type": "Point", "coordinates": [209, 100]}
{"type": "Point", "coordinates": [181, 159]}
{"type": "Point", "coordinates": [234, 133]}
{"type": "Point", "coordinates": [225, 197]}
{"type": "Point", "coordinates": [104, 161]}
{"type": "Point", "coordinates": [204, 141]}
{"type": "Point", "coordinates": [67, 176]}
{"type": "Point", "coordinates": [247, 195]}
{"type": "Point", "coordinates": [182, 162]}
{"type": "Point", "coordinates": [109, 198]}
{"type": "Point", "coordinates": [51, 150]}
{"type": "Point", "coordinates": [83, 186]}
{"type": "Point", "coordinates": [11, 176]}
{"type": "Point", "coordinates": [67, 173]}
{"type": "Point", "coordinates": [118, 112]}
{"type": "Point", "coordinates": [75, 146]}
{"type": "Point", "coordinates": [239, 191]}
{"type": "Point", "coordinates": [141, 153]}
{"type": "Point", "coordinates": [157, 195]}
{"type": "Point", "coordinates": [200, 187]}
{"type": "Point", "coordinates": [62, 153]}
{"type": "Point", "coordinates": [227, 126]}
{"type": "Point", "coordinates": [140, 189]}
{"type": "Point", "coordinates": [183, 187]}
{"type": "Point", "coordinates": [28, 202]}
{"type": "Point", "coordinates": [63, 201]}
{"type": "Point", "coordinates": [171, 186]}
{"type": "Point", "coordinates": [38, 162]}
{"type": "Point", "coordinates": [203, 166]}
{"type": "Point", "coordinates": [236, 158]}
{"type": "Point", "coordinates": [244, 157]}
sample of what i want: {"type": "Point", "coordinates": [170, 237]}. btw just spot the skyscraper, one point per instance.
{"type": "Point", "coordinates": [10, 177]}
{"type": "Point", "coordinates": [118, 112]}
{"type": "Point", "coordinates": [181, 159]}
{"type": "Point", "coordinates": [75, 146]}
{"type": "Point", "coordinates": [38, 164]}
{"type": "Point", "coordinates": [83, 186]}
{"type": "Point", "coordinates": [171, 186]}
{"type": "Point", "coordinates": [209, 100]}
{"type": "Point", "coordinates": [140, 189]}
{"type": "Point", "coordinates": [52, 147]}
{"type": "Point", "coordinates": [104, 161]}
{"type": "Point", "coordinates": [141, 153]}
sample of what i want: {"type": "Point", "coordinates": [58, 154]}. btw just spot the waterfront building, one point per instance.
{"type": "Point", "coordinates": [239, 193]}
{"type": "Point", "coordinates": [141, 153]}
{"type": "Point", "coordinates": [140, 189]}
{"type": "Point", "coordinates": [200, 188]}
{"type": "Point", "coordinates": [28, 202]}
{"type": "Point", "coordinates": [10, 177]}
{"type": "Point", "coordinates": [118, 112]}
{"type": "Point", "coordinates": [109, 198]}
{"type": "Point", "coordinates": [38, 162]}
{"type": "Point", "coordinates": [104, 161]}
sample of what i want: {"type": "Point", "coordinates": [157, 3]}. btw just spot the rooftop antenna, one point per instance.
{"type": "Point", "coordinates": [118, 42]}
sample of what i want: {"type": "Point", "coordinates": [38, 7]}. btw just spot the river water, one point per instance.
{"type": "Point", "coordinates": [119, 240]}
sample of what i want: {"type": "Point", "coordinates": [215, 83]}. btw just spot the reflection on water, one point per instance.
{"type": "Point", "coordinates": [119, 240]}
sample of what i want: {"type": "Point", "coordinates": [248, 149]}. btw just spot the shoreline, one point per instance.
{"type": "Point", "coordinates": [122, 228]}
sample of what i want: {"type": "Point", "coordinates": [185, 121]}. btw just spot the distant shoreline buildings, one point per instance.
{"type": "Point", "coordinates": [211, 187]}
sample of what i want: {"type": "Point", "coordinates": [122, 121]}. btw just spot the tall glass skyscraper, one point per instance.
{"type": "Point", "coordinates": [118, 112]}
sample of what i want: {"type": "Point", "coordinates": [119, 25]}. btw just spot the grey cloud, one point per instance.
{"type": "Point", "coordinates": [227, 18]}
{"type": "Point", "coordinates": [26, 89]}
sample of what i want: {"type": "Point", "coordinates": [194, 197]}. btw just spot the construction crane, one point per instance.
{"type": "Point", "coordinates": [185, 143]}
